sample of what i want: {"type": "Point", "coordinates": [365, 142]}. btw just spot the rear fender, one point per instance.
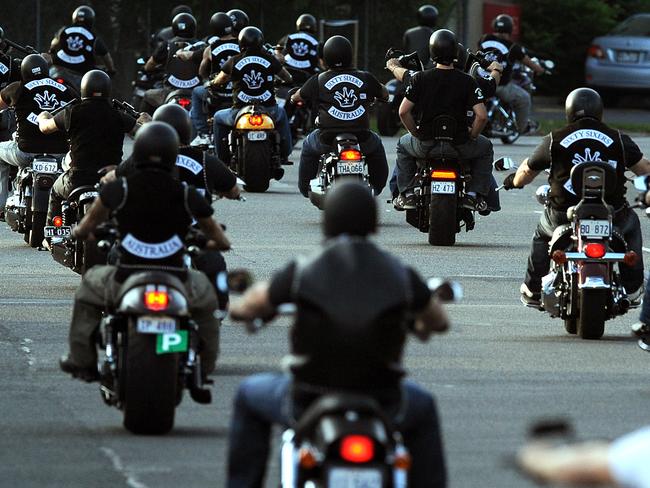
{"type": "Point", "coordinates": [594, 275]}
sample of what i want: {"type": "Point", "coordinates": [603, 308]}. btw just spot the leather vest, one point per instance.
{"type": "Point", "coordinates": [343, 100]}
{"type": "Point", "coordinates": [181, 74]}
{"type": "Point", "coordinates": [190, 165]}
{"type": "Point", "coordinates": [253, 78]}
{"type": "Point", "coordinates": [301, 51]}
{"type": "Point", "coordinates": [498, 49]}
{"type": "Point", "coordinates": [7, 70]}
{"type": "Point", "coordinates": [76, 49]}
{"type": "Point", "coordinates": [222, 51]}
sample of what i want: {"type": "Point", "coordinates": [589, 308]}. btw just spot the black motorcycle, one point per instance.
{"type": "Point", "coordinates": [145, 81]}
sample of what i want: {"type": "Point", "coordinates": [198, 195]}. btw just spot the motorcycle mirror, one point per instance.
{"type": "Point", "coordinates": [505, 164]}
{"type": "Point", "coordinates": [548, 64]}
{"type": "Point", "coordinates": [641, 183]}
{"type": "Point", "coordinates": [647, 212]}
{"type": "Point", "coordinates": [445, 291]}
{"type": "Point", "coordinates": [140, 61]}
{"type": "Point", "coordinates": [240, 280]}
{"type": "Point", "coordinates": [542, 194]}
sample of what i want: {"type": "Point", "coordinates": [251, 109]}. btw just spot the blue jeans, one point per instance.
{"type": "Point", "coordinates": [10, 154]}
{"type": "Point", "coordinates": [224, 120]}
{"type": "Point", "coordinates": [197, 113]}
{"type": "Point", "coordinates": [263, 400]}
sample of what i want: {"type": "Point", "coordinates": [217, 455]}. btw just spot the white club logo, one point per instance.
{"type": "Point", "coordinates": [346, 98]}
{"type": "Point", "coordinates": [588, 157]}
{"type": "Point", "coordinates": [253, 80]}
{"type": "Point", "coordinates": [75, 43]}
{"type": "Point", "coordinates": [46, 101]}
{"type": "Point", "coordinates": [300, 49]}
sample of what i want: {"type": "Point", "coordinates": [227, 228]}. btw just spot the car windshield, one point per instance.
{"type": "Point", "coordinates": [637, 26]}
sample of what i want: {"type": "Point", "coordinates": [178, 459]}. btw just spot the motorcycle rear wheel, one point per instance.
{"type": "Point", "coordinates": [36, 232]}
{"type": "Point", "coordinates": [256, 165]}
{"type": "Point", "coordinates": [593, 307]}
{"type": "Point", "coordinates": [571, 325]}
{"type": "Point", "coordinates": [442, 220]}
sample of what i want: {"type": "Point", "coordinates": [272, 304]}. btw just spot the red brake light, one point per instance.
{"type": "Point", "coordinates": [595, 51]}
{"type": "Point", "coordinates": [256, 119]}
{"type": "Point", "coordinates": [350, 155]}
{"type": "Point", "coordinates": [595, 250]}
{"type": "Point", "coordinates": [156, 300]}
{"type": "Point", "coordinates": [184, 102]}
{"type": "Point", "coordinates": [357, 449]}
{"type": "Point", "coordinates": [57, 221]}
{"type": "Point", "coordinates": [61, 81]}
{"type": "Point", "coordinates": [438, 174]}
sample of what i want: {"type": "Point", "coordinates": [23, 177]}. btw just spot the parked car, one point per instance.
{"type": "Point", "coordinates": [620, 60]}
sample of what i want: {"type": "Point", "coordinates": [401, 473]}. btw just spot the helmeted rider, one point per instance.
{"type": "Point", "coordinates": [501, 48]}
{"type": "Point", "coordinates": [341, 344]}
{"type": "Point", "coordinates": [343, 94]}
{"type": "Point", "coordinates": [444, 90]}
{"type": "Point", "coordinates": [417, 38]}
{"type": "Point", "coordinates": [9, 72]}
{"type": "Point", "coordinates": [95, 130]}
{"type": "Point", "coordinates": [180, 72]}
{"type": "Point", "coordinates": [166, 33]}
{"type": "Point", "coordinates": [77, 49]}
{"type": "Point", "coordinates": [301, 51]}
{"type": "Point", "coordinates": [35, 93]}
{"type": "Point", "coordinates": [584, 138]}
{"type": "Point", "coordinates": [252, 73]}
{"type": "Point", "coordinates": [223, 46]}
{"type": "Point", "coordinates": [154, 212]}
{"type": "Point", "coordinates": [240, 20]}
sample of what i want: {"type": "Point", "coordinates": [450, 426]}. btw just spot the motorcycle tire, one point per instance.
{"type": "Point", "coordinates": [593, 307]}
{"type": "Point", "coordinates": [442, 220]}
{"type": "Point", "coordinates": [256, 166]}
{"type": "Point", "coordinates": [92, 256]}
{"type": "Point", "coordinates": [571, 325]}
{"type": "Point", "coordinates": [387, 125]}
{"type": "Point", "coordinates": [150, 388]}
{"type": "Point", "coordinates": [36, 232]}
{"type": "Point", "coordinates": [511, 139]}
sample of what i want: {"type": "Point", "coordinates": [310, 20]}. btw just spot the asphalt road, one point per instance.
{"type": "Point", "coordinates": [500, 367]}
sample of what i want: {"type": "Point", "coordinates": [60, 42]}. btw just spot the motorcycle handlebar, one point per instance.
{"type": "Point", "coordinates": [23, 49]}
{"type": "Point", "coordinates": [478, 57]}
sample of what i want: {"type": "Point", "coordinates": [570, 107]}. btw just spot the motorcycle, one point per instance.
{"type": "Point", "coordinates": [523, 76]}
{"type": "Point", "coordinates": [583, 287]}
{"type": "Point", "coordinates": [26, 210]}
{"type": "Point", "coordinates": [345, 162]}
{"type": "Point", "coordinates": [144, 81]}
{"type": "Point", "coordinates": [301, 116]}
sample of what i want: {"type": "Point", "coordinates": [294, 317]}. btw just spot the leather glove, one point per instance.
{"type": "Point", "coordinates": [509, 182]}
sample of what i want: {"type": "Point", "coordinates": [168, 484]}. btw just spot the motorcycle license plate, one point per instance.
{"type": "Point", "coordinates": [156, 325]}
{"type": "Point", "coordinates": [45, 166]}
{"type": "Point", "coordinates": [354, 478]}
{"type": "Point", "coordinates": [52, 231]}
{"type": "Point", "coordinates": [256, 136]}
{"type": "Point", "coordinates": [446, 187]}
{"type": "Point", "coordinates": [595, 228]}
{"type": "Point", "coordinates": [349, 168]}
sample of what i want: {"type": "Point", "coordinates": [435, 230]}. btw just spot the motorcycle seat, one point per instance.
{"type": "Point", "coordinates": [346, 138]}
{"type": "Point", "coordinates": [593, 179]}
{"type": "Point", "coordinates": [77, 192]}
{"type": "Point", "coordinates": [330, 137]}
{"type": "Point", "coordinates": [150, 277]}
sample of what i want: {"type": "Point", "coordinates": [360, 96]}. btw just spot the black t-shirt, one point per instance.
{"type": "Point", "coordinates": [343, 97]}
{"type": "Point", "coordinates": [443, 92]}
{"type": "Point", "coordinates": [417, 39]}
{"type": "Point", "coordinates": [96, 133]}
{"type": "Point", "coordinates": [252, 74]}
{"type": "Point", "coordinates": [503, 51]}
{"type": "Point", "coordinates": [76, 48]}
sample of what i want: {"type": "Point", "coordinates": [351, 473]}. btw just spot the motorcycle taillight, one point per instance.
{"type": "Point", "coordinates": [156, 300]}
{"type": "Point", "coordinates": [185, 103]}
{"type": "Point", "coordinates": [357, 449]}
{"type": "Point", "coordinates": [595, 250]}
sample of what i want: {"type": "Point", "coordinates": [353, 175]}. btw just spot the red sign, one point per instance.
{"type": "Point", "coordinates": [491, 10]}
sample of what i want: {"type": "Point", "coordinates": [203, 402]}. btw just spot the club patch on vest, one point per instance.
{"type": "Point", "coordinates": [296, 63]}
{"type": "Point", "coordinates": [250, 60]}
{"type": "Point", "coordinates": [157, 250]}
{"type": "Point", "coordinates": [81, 31]}
{"type": "Point", "coordinates": [225, 47]}
{"type": "Point", "coordinates": [189, 164]}
{"type": "Point", "coordinates": [502, 48]}
{"type": "Point", "coordinates": [63, 56]}
{"type": "Point", "coordinates": [247, 98]}
{"type": "Point", "coordinates": [45, 82]}
{"type": "Point", "coordinates": [178, 83]}
{"type": "Point", "coordinates": [343, 79]}
{"type": "Point", "coordinates": [4, 69]}
{"type": "Point", "coordinates": [583, 134]}
{"type": "Point", "coordinates": [341, 115]}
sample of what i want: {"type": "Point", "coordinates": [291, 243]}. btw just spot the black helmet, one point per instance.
{"type": "Point", "coordinates": [156, 146]}
{"type": "Point", "coordinates": [84, 15]}
{"type": "Point", "coordinates": [583, 102]}
{"type": "Point", "coordinates": [184, 25]}
{"type": "Point", "coordinates": [95, 84]}
{"type": "Point", "coordinates": [306, 22]}
{"type": "Point", "coordinates": [503, 23]}
{"type": "Point", "coordinates": [251, 38]}
{"type": "Point", "coordinates": [461, 58]}
{"type": "Point", "coordinates": [428, 15]}
{"type": "Point", "coordinates": [350, 209]}
{"type": "Point", "coordinates": [221, 24]}
{"type": "Point", "coordinates": [239, 19]}
{"type": "Point", "coordinates": [178, 118]}
{"type": "Point", "coordinates": [181, 9]}
{"type": "Point", "coordinates": [337, 52]}
{"type": "Point", "coordinates": [443, 46]}
{"type": "Point", "coordinates": [33, 67]}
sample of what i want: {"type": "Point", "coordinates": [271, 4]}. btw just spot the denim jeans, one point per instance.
{"type": "Point", "coordinates": [519, 101]}
{"type": "Point", "coordinates": [10, 154]}
{"type": "Point", "coordinates": [224, 120]}
{"type": "Point", "coordinates": [478, 153]}
{"type": "Point", "coordinates": [197, 112]}
{"type": "Point", "coordinates": [313, 148]}
{"type": "Point", "coordinates": [263, 400]}
{"type": "Point", "coordinates": [625, 221]}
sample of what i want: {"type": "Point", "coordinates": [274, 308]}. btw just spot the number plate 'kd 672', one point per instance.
{"type": "Point", "coordinates": [595, 228]}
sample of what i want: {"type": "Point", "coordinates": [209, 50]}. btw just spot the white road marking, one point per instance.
{"type": "Point", "coordinates": [35, 301]}
{"type": "Point", "coordinates": [118, 466]}
{"type": "Point", "coordinates": [24, 346]}
{"type": "Point", "coordinates": [645, 249]}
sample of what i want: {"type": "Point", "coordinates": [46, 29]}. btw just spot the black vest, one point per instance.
{"type": "Point", "coordinates": [417, 39]}
{"type": "Point", "coordinates": [9, 71]}
{"type": "Point", "coordinates": [253, 77]}
{"type": "Point", "coordinates": [222, 51]}
{"type": "Point", "coordinates": [343, 100]}
{"type": "Point", "coordinates": [498, 49]}
{"type": "Point", "coordinates": [352, 300]}
{"type": "Point", "coordinates": [301, 51]}
{"type": "Point", "coordinates": [191, 169]}
{"type": "Point", "coordinates": [181, 74]}
{"type": "Point", "coordinates": [35, 97]}
{"type": "Point", "coordinates": [585, 140]}
{"type": "Point", "coordinates": [76, 49]}
{"type": "Point", "coordinates": [153, 219]}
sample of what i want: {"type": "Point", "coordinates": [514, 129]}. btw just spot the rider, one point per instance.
{"type": "Point", "coordinates": [180, 72]}
{"type": "Point", "coordinates": [239, 20]}
{"type": "Point", "coordinates": [220, 50]}
{"type": "Point", "coordinates": [443, 90]}
{"type": "Point", "coordinates": [343, 94]}
{"type": "Point", "coordinates": [585, 138]}
{"type": "Point", "coordinates": [252, 73]}
{"type": "Point", "coordinates": [29, 97]}
{"type": "Point", "coordinates": [95, 130]}
{"type": "Point", "coordinates": [165, 34]}
{"type": "Point", "coordinates": [501, 48]}
{"type": "Point", "coordinates": [154, 211]}
{"type": "Point", "coordinates": [76, 49]}
{"type": "Point", "coordinates": [301, 50]}
{"type": "Point", "coordinates": [417, 38]}
{"type": "Point", "coordinates": [339, 343]}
